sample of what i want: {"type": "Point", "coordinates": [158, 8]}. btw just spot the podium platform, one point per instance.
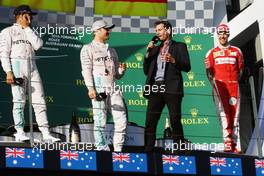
{"type": "Point", "coordinates": [20, 159]}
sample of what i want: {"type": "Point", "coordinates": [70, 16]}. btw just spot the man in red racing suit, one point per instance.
{"type": "Point", "coordinates": [224, 65]}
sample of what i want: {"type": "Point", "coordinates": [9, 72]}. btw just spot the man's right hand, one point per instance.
{"type": "Point", "coordinates": [209, 75]}
{"type": "Point", "coordinates": [150, 45]}
{"type": "Point", "coordinates": [92, 93]}
{"type": "Point", "coordinates": [10, 78]}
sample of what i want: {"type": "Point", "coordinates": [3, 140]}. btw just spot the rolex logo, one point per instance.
{"type": "Point", "coordinates": [140, 94]}
{"type": "Point", "coordinates": [187, 39]}
{"type": "Point", "coordinates": [190, 75]}
{"type": "Point", "coordinates": [139, 56]}
{"type": "Point", "coordinates": [194, 112]}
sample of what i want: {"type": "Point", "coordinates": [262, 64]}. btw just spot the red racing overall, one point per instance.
{"type": "Point", "coordinates": [224, 66]}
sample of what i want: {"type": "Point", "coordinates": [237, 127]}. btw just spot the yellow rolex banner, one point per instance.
{"type": "Point", "coordinates": [131, 7]}
{"type": "Point", "coordinates": [52, 5]}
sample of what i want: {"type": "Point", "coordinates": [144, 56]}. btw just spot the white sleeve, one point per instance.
{"type": "Point", "coordinates": [35, 40]}
{"type": "Point", "coordinates": [5, 50]}
{"type": "Point", "coordinates": [87, 66]}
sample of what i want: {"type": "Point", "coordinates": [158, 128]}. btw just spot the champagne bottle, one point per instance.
{"type": "Point", "coordinates": [75, 133]}
{"type": "Point", "coordinates": [167, 130]}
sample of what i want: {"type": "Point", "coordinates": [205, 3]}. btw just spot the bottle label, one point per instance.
{"type": "Point", "coordinates": [75, 137]}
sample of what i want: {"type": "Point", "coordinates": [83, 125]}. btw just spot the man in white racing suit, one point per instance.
{"type": "Point", "coordinates": [17, 46]}
{"type": "Point", "coordinates": [100, 68]}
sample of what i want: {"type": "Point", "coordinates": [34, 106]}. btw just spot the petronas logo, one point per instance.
{"type": "Point", "coordinates": [139, 57]}
{"type": "Point", "coordinates": [190, 75]}
{"type": "Point", "coordinates": [140, 94]}
{"type": "Point", "coordinates": [187, 39]}
{"type": "Point", "coordinates": [194, 112]}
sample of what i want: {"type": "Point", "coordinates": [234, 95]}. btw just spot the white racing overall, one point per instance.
{"type": "Point", "coordinates": [100, 68]}
{"type": "Point", "coordinates": [17, 45]}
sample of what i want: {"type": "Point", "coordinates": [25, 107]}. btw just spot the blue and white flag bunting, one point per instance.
{"type": "Point", "coordinates": [24, 158]}
{"type": "Point", "coordinates": [173, 164]}
{"type": "Point", "coordinates": [259, 166]}
{"type": "Point", "coordinates": [78, 160]}
{"type": "Point", "coordinates": [130, 162]}
{"type": "Point", "coordinates": [225, 166]}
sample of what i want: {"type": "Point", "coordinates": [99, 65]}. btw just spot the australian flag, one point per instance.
{"type": "Point", "coordinates": [78, 160]}
{"type": "Point", "coordinates": [24, 158]}
{"type": "Point", "coordinates": [173, 164]}
{"type": "Point", "coordinates": [225, 166]}
{"type": "Point", "coordinates": [130, 162]}
{"type": "Point", "coordinates": [259, 165]}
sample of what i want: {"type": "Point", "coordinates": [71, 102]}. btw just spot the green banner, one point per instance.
{"type": "Point", "coordinates": [59, 66]}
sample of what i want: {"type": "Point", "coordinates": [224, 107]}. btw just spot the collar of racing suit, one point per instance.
{"type": "Point", "coordinates": [18, 25]}
{"type": "Point", "coordinates": [100, 44]}
{"type": "Point", "coordinates": [224, 47]}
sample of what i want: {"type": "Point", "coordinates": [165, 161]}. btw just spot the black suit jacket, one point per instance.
{"type": "Point", "coordinates": [173, 77]}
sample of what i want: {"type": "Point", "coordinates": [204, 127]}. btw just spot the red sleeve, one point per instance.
{"type": "Point", "coordinates": [240, 60]}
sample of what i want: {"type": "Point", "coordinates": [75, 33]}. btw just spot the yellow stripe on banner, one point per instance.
{"type": "Point", "coordinates": [52, 5]}
{"type": "Point", "coordinates": [102, 7]}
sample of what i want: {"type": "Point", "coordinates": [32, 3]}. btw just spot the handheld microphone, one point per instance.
{"type": "Point", "coordinates": [155, 39]}
{"type": "Point", "coordinates": [101, 96]}
{"type": "Point", "coordinates": [28, 19]}
{"type": "Point", "coordinates": [19, 81]}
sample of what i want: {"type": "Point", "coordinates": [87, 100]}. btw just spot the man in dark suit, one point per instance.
{"type": "Point", "coordinates": [164, 85]}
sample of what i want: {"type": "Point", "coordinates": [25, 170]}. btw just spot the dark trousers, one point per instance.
{"type": "Point", "coordinates": [156, 103]}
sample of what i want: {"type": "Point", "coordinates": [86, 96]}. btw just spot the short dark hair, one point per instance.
{"type": "Point", "coordinates": [166, 24]}
{"type": "Point", "coordinates": [23, 9]}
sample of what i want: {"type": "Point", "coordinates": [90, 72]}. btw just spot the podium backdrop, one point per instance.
{"type": "Point", "coordinates": [59, 66]}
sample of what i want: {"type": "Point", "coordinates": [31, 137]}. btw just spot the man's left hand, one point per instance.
{"type": "Point", "coordinates": [25, 20]}
{"type": "Point", "coordinates": [168, 58]}
{"type": "Point", "coordinates": [122, 67]}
